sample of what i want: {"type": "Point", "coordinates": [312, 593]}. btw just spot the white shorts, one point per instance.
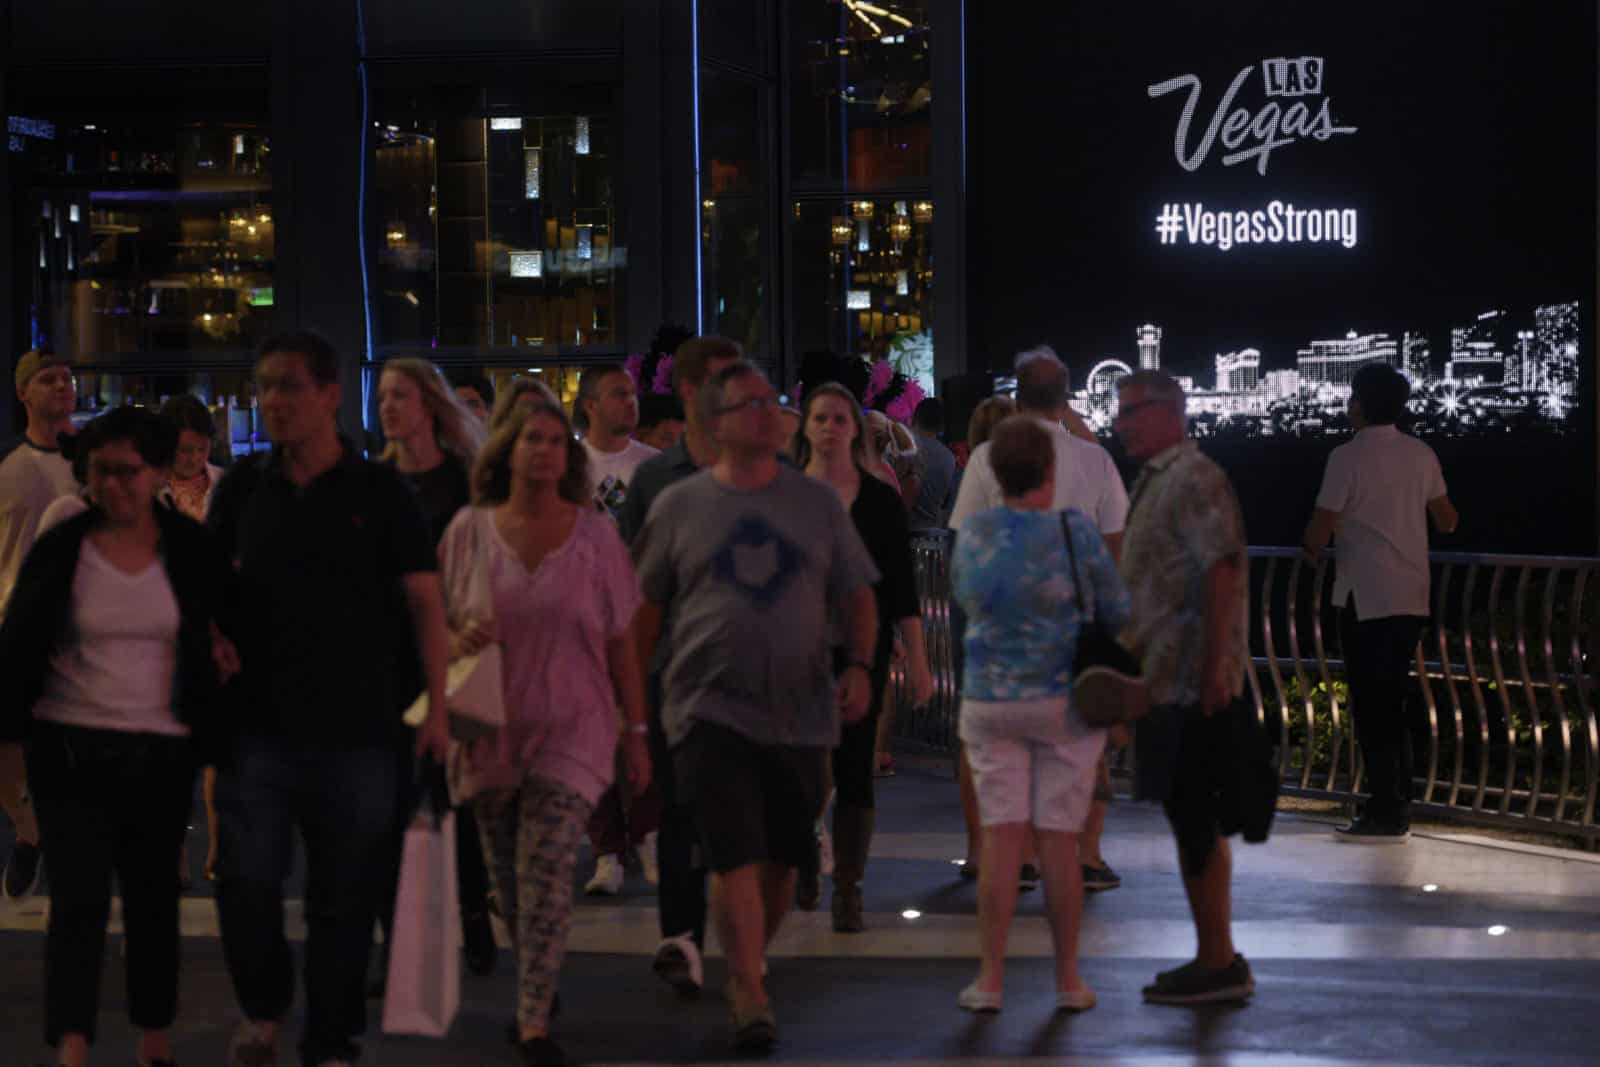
{"type": "Point", "coordinates": [1031, 762]}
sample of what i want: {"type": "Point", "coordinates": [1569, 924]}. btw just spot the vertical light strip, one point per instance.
{"type": "Point", "coordinates": [699, 280]}
{"type": "Point", "coordinates": [361, 212]}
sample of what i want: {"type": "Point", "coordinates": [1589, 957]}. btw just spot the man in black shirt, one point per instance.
{"type": "Point", "coordinates": [336, 596]}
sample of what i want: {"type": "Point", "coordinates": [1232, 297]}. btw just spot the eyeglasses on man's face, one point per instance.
{"type": "Point", "coordinates": [751, 404]}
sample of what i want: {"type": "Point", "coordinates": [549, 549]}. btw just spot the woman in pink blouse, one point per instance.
{"type": "Point", "coordinates": [531, 566]}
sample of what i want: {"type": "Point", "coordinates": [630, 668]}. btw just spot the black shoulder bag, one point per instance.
{"type": "Point", "coordinates": [1106, 686]}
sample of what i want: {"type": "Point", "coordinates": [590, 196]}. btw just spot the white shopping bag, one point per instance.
{"type": "Point", "coordinates": [424, 988]}
{"type": "Point", "coordinates": [476, 694]}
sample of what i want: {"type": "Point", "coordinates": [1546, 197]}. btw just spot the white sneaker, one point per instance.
{"type": "Point", "coordinates": [824, 850]}
{"type": "Point", "coordinates": [648, 861]}
{"type": "Point", "coordinates": [607, 880]}
{"type": "Point", "coordinates": [678, 964]}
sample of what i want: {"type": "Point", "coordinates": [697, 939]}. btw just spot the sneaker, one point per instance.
{"type": "Point", "coordinates": [978, 1000]}
{"type": "Point", "coordinates": [1028, 878]}
{"type": "Point", "coordinates": [249, 1048]}
{"type": "Point", "coordinates": [648, 861]}
{"type": "Point", "coordinates": [22, 871]}
{"type": "Point", "coordinates": [477, 936]}
{"type": "Point", "coordinates": [607, 880]}
{"type": "Point", "coordinates": [1366, 831]}
{"type": "Point", "coordinates": [678, 964]}
{"type": "Point", "coordinates": [1194, 984]}
{"type": "Point", "coordinates": [1099, 879]}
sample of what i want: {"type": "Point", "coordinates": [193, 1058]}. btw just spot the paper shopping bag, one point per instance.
{"type": "Point", "coordinates": [476, 693]}
{"type": "Point", "coordinates": [424, 989]}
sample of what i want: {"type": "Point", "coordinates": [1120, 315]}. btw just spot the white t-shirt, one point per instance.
{"type": "Point", "coordinates": [610, 473]}
{"type": "Point", "coordinates": [1086, 479]}
{"type": "Point", "coordinates": [30, 478]}
{"type": "Point", "coordinates": [117, 674]}
{"type": "Point", "coordinates": [1380, 484]}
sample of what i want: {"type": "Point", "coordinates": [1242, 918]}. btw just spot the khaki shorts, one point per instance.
{"type": "Point", "coordinates": [1031, 762]}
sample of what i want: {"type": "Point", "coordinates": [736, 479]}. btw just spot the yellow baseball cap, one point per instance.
{"type": "Point", "coordinates": [32, 363]}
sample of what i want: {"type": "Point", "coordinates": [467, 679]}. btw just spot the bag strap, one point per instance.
{"type": "Point", "coordinates": [1077, 576]}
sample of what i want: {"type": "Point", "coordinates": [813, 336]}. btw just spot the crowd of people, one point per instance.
{"type": "Point", "coordinates": [698, 601]}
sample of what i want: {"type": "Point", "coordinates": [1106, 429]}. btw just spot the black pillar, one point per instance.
{"type": "Point", "coordinates": [318, 149]}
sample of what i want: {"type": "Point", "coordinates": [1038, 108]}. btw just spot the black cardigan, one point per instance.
{"type": "Point", "coordinates": [38, 622]}
{"type": "Point", "coordinates": [880, 518]}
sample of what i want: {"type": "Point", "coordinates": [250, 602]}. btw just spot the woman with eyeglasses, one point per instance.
{"type": "Point", "coordinates": [110, 681]}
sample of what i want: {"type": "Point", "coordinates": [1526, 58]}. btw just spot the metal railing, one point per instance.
{"type": "Point", "coordinates": [1502, 706]}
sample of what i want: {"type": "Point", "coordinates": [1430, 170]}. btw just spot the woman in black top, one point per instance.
{"type": "Point", "coordinates": [432, 441]}
{"type": "Point", "coordinates": [110, 678]}
{"type": "Point", "coordinates": [830, 447]}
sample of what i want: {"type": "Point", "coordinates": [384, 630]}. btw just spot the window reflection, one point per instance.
{"type": "Point", "coordinates": [861, 93]}
{"type": "Point", "coordinates": [733, 216]}
{"type": "Point", "coordinates": [147, 235]}
{"type": "Point", "coordinates": [496, 230]}
{"type": "Point", "coordinates": [863, 276]}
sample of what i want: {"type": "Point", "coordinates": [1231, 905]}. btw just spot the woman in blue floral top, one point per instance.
{"type": "Point", "coordinates": [1033, 760]}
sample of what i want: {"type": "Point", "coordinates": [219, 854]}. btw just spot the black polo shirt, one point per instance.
{"type": "Point", "coordinates": [318, 608]}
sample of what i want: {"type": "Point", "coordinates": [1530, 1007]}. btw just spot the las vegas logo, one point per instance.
{"type": "Point", "coordinates": [1292, 87]}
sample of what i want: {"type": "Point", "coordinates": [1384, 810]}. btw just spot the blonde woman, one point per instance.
{"type": "Point", "coordinates": [432, 437]}
{"type": "Point", "coordinates": [520, 394]}
{"type": "Point", "coordinates": [432, 441]}
{"type": "Point", "coordinates": [533, 566]}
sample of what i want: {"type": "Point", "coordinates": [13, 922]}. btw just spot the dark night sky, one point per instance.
{"type": "Point", "coordinates": [1473, 169]}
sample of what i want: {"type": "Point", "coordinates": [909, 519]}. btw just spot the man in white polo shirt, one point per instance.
{"type": "Point", "coordinates": [1087, 479]}
{"type": "Point", "coordinates": [1377, 493]}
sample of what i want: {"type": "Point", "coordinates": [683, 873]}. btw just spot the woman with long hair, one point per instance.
{"type": "Point", "coordinates": [432, 437]}
{"type": "Point", "coordinates": [831, 447]}
{"type": "Point", "coordinates": [432, 441]}
{"type": "Point", "coordinates": [533, 566]}
{"type": "Point", "coordinates": [110, 678]}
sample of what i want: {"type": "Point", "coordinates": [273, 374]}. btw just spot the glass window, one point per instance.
{"type": "Point", "coordinates": [737, 32]}
{"type": "Point", "coordinates": [863, 279]}
{"type": "Point", "coordinates": [733, 231]}
{"type": "Point", "coordinates": [144, 234]}
{"type": "Point", "coordinates": [401, 26]}
{"type": "Point", "coordinates": [861, 94]}
{"type": "Point", "coordinates": [496, 228]}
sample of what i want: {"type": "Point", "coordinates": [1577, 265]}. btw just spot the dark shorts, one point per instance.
{"type": "Point", "coordinates": [751, 803]}
{"type": "Point", "coordinates": [1213, 776]}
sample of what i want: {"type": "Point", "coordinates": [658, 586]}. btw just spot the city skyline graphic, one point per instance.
{"type": "Point", "coordinates": [1501, 370]}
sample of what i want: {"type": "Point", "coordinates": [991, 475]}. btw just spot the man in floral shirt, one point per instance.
{"type": "Point", "coordinates": [1184, 561]}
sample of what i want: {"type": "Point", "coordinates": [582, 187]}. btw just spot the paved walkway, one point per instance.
{"type": "Point", "coordinates": [1451, 949]}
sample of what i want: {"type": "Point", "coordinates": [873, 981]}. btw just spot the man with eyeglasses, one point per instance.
{"type": "Point", "coordinates": [33, 472]}
{"type": "Point", "coordinates": [1200, 751]}
{"type": "Point", "coordinates": [757, 560]}
{"type": "Point", "coordinates": [336, 597]}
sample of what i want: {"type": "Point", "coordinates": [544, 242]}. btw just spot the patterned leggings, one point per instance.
{"type": "Point", "coordinates": [530, 843]}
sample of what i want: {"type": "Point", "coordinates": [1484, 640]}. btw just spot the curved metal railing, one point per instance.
{"type": "Point", "coordinates": [1503, 707]}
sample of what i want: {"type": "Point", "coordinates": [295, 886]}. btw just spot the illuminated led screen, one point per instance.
{"type": "Point", "coordinates": [1261, 198]}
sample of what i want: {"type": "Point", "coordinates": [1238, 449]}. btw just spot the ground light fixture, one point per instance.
{"type": "Point", "coordinates": [911, 913]}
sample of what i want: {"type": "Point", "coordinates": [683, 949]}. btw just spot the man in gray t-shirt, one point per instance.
{"type": "Point", "coordinates": [755, 560]}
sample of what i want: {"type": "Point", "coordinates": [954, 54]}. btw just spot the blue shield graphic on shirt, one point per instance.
{"type": "Point", "coordinates": [756, 559]}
